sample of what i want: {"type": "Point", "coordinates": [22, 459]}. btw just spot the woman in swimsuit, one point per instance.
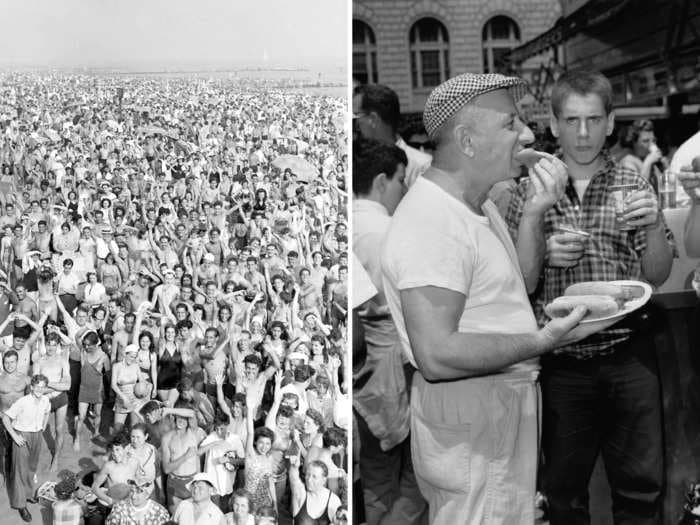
{"type": "Point", "coordinates": [110, 274]}
{"type": "Point", "coordinates": [125, 375]}
{"type": "Point", "coordinates": [312, 502]}
{"type": "Point", "coordinates": [169, 366]}
{"type": "Point", "coordinates": [93, 365]}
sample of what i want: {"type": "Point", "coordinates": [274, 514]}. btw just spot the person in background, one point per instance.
{"type": "Point", "coordinates": [639, 152]}
{"type": "Point", "coordinates": [66, 510]}
{"type": "Point", "coordinates": [380, 386]}
{"type": "Point", "coordinates": [138, 507]}
{"type": "Point", "coordinates": [376, 115]}
{"type": "Point", "coordinates": [199, 509]}
{"type": "Point", "coordinates": [25, 421]}
{"type": "Point", "coordinates": [602, 394]}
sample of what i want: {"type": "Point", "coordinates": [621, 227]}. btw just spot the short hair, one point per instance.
{"type": "Point", "coordinates": [39, 378]}
{"type": "Point", "coordinates": [263, 432]}
{"type": "Point", "coordinates": [369, 159]}
{"type": "Point", "coordinates": [334, 437]}
{"type": "Point", "coordinates": [252, 359]}
{"type": "Point", "coordinates": [320, 464]}
{"type": "Point", "coordinates": [630, 134]}
{"type": "Point", "coordinates": [381, 100]}
{"type": "Point", "coordinates": [285, 411]}
{"type": "Point", "coordinates": [221, 419]}
{"type": "Point", "coordinates": [120, 440]}
{"type": "Point", "coordinates": [10, 353]}
{"type": "Point", "coordinates": [185, 384]}
{"type": "Point", "coordinates": [140, 426]}
{"type": "Point", "coordinates": [241, 493]}
{"type": "Point", "coordinates": [581, 82]}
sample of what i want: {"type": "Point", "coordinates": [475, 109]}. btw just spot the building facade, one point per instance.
{"type": "Point", "coordinates": [412, 46]}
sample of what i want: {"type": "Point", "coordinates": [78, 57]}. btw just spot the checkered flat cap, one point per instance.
{"type": "Point", "coordinates": [450, 96]}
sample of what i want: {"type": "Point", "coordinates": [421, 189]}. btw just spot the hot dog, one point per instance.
{"type": "Point", "coordinates": [618, 292]}
{"type": "Point", "coordinates": [597, 305]}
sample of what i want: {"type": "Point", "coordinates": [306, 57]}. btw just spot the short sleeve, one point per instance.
{"type": "Point", "coordinates": [434, 255]}
{"type": "Point", "coordinates": [362, 287]}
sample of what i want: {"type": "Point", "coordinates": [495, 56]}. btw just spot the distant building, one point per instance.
{"type": "Point", "coordinates": [412, 46]}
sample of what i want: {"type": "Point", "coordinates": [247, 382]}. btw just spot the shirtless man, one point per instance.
{"type": "Point", "coordinates": [46, 302]}
{"type": "Point", "coordinates": [22, 344]}
{"type": "Point", "coordinates": [20, 246]}
{"type": "Point", "coordinates": [180, 460]}
{"type": "Point", "coordinates": [55, 367]}
{"type": "Point", "coordinates": [27, 306]}
{"type": "Point", "coordinates": [42, 238]}
{"type": "Point", "coordinates": [122, 338]}
{"type": "Point", "coordinates": [138, 290]}
{"type": "Point", "coordinates": [214, 361]}
{"type": "Point", "coordinates": [207, 271]}
{"type": "Point", "coordinates": [119, 469]}
{"type": "Point", "coordinates": [13, 384]}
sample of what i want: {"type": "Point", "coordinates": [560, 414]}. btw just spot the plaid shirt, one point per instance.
{"type": "Point", "coordinates": [610, 254]}
{"type": "Point", "coordinates": [66, 512]}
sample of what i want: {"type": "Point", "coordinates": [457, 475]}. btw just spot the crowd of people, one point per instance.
{"type": "Point", "coordinates": [173, 288]}
{"type": "Point", "coordinates": [471, 404]}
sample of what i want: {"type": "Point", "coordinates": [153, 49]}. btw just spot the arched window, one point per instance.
{"type": "Point", "coordinates": [500, 35]}
{"type": "Point", "coordinates": [429, 46]}
{"type": "Point", "coordinates": [364, 53]}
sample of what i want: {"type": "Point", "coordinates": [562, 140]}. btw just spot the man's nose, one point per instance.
{"type": "Point", "coordinates": [583, 129]}
{"type": "Point", "coordinates": [526, 135]}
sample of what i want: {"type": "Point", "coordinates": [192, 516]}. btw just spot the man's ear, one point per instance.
{"type": "Point", "coordinates": [379, 183]}
{"type": "Point", "coordinates": [611, 124]}
{"type": "Point", "coordinates": [554, 124]}
{"type": "Point", "coordinates": [463, 138]}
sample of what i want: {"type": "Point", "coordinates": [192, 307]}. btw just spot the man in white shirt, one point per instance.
{"type": "Point", "coordinates": [454, 287]}
{"type": "Point", "coordinates": [199, 509]}
{"type": "Point", "coordinates": [25, 421]}
{"type": "Point", "coordinates": [376, 115]}
{"type": "Point", "coordinates": [380, 395]}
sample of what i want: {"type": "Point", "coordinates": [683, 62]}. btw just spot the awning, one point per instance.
{"type": "Point", "coordinates": [592, 13]}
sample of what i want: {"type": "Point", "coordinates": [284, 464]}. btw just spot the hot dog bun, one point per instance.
{"type": "Point", "coordinates": [598, 306]}
{"type": "Point", "coordinates": [617, 292]}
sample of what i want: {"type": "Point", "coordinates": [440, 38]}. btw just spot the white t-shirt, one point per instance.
{"type": "Point", "coordinates": [436, 240]}
{"type": "Point", "coordinates": [683, 157]}
{"type": "Point", "coordinates": [362, 287]}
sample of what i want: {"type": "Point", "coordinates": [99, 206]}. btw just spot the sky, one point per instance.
{"type": "Point", "coordinates": [174, 33]}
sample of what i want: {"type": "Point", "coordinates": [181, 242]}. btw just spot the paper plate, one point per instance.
{"type": "Point", "coordinates": [630, 306]}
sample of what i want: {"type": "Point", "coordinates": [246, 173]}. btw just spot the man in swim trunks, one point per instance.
{"type": "Point", "coordinates": [55, 367]}
{"type": "Point", "coordinates": [180, 460]}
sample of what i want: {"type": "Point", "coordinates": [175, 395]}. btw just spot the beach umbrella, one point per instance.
{"type": "Point", "coordinates": [302, 168]}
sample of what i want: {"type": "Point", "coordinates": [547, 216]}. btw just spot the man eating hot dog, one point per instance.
{"type": "Point", "coordinates": [602, 393]}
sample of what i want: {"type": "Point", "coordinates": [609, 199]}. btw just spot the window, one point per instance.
{"type": "Point", "coordinates": [430, 53]}
{"type": "Point", "coordinates": [500, 35]}
{"type": "Point", "coordinates": [364, 53]}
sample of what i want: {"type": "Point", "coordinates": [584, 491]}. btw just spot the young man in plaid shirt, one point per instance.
{"type": "Point", "coordinates": [601, 394]}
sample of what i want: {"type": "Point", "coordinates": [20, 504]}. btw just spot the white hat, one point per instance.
{"type": "Point", "coordinates": [132, 348]}
{"type": "Point", "coordinates": [203, 476]}
{"type": "Point", "coordinates": [209, 257]}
